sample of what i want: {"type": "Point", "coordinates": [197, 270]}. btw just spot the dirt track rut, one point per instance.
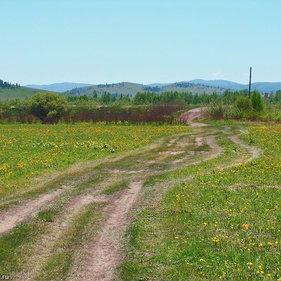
{"type": "Point", "coordinates": [97, 258]}
{"type": "Point", "coordinates": [104, 253]}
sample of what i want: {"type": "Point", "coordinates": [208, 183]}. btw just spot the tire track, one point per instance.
{"type": "Point", "coordinates": [18, 214]}
{"type": "Point", "coordinates": [101, 254]}
{"type": "Point", "coordinates": [99, 257]}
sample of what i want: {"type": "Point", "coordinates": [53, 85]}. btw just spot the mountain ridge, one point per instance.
{"type": "Point", "coordinates": [196, 85]}
{"type": "Point", "coordinates": [59, 87]}
{"type": "Point", "coordinates": [262, 87]}
{"type": "Point", "coordinates": [128, 88]}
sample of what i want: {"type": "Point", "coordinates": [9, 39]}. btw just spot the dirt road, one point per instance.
{"type": "Point", "coordinates": [189, 117]}
{"type": "Point", "coordinates": [113, 188]}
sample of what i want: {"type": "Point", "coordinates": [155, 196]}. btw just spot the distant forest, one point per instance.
{"type": "Point", "coordinates": [7, 85]}
{"type": "Point", "coordinates": [152, 98]}
{"type": "Point", "coordinates": [48, 107]}
{"type": "Point", "coordinates": [143, 98]}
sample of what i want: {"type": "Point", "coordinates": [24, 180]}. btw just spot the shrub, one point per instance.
{"type": "Point", "coordinates": [48, 107]}
{"type": "Point", "coordinates": [257, 102]}
{"type": "Point", "coordinates": [215, 111]}
{"type": "Point", "coordinates": [243, 104]}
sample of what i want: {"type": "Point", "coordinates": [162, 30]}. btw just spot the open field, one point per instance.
{"type": "Point", "coordinates": [17, 93]}
{"type": "Point", "coordinates": [30, 150]}
{"type": "Point", "coordinates": [198, 203]}
{"type": "Point", "coordinates": [221, 221]}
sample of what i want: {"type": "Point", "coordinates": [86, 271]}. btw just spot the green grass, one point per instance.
{"type": "Point", "coordinates": [45, 216]}
{"type": "Point", "coordinates": [14, 245]}
{"type": "Point", "coordinates": [27, 151]}
{"type": "Point", "coordinates": [199, 167]}
{"type": "Point", "coordinates": [214, 219]}
{"type": "Point", "coordinates": [116, 187]}
{"type": "Point", "coordinates": [59, 264]}
{"type": "Point", "coordinates": [10, 245]}
{"type": "Point", "coordinates": [17, 93]}
{"type": "Point", "coordinates": [215, 232]}
{"type": "Point", "coordinates": [221, 225]}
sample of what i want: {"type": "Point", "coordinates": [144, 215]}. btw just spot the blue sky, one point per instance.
{"type": "Point", "coordinates": [142, 41]}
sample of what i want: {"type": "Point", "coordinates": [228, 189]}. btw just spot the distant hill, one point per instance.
{"type": "Point", "coordinates": [17, 93]}
{"type": "Point", "coordinates": [191, 87]}
{"type": "Point", "coordinates": [59, 87]}
{"type": "Point", "coordinates": [131, 89]}
{"type": "Point", "coordinates": [124, 88]}
{"type": "Point", "coordinates": [267, 87]}
{"type": "Point", "coordinates": [194, 86]}
{"type": "Point", "coordinates": [262, 87]}
{"type": "Point", "coordinates": [224, 84]}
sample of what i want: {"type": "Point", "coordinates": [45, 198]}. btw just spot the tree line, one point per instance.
{"type": "Point", "coordinates": [142, 98]}
{"type": "Point", "coordinates": [7, 85]}
{"type": "Point", "coordinates": [149, 98]}
{"type": "Point", "coordinates": [49, 107]}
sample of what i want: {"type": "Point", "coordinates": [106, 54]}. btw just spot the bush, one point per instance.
{"type": "Point", "coordinates": [257, 102]}
{"type": "Point", "coordinates": [48, 107]}
{"type": "Point", "coordinates": [232, 112]}
{"type": "Point", "coordinates": [215, 111]}
{"type": "Point", "coordinates": [243, 104]}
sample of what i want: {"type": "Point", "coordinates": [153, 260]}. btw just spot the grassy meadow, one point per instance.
{"type": "Point", "coordinates": [17, 93]}
{"type": "Point", "coordinates": [211, 216]}
{"type": "Point", "coordinates": [31, 150]}
{"type": "Point", "coordinates": [222, 224]}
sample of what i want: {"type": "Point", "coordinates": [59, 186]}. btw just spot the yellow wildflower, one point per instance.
{"type": "Point", "coordinates": [245, 226]}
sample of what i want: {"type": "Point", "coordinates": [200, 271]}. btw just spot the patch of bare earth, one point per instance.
{"type": "Point", "coordinates": [20, 213]}
{"type": "Point", "coordinates": [199, 141]}
{"type": "Point", "coordinates": [39, 252]}
{"type": "Point", "coordinates": [171, 152]}
{"type": "Point", "coordinates": [172, 142]}
{"type": "Point", "coordinates": [189, 116]}
{"type": "Point", "coordinates": [118, 171]}
{"type": "Point", "coordinates": [99, 257]}
{"type": "Point", "coordinates": [252, 151]}
{"type": "Point", "coordinates": [208, 155]}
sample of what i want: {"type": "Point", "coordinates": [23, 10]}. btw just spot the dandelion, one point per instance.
{"type": "Point", "coordinates": [249, 264]}
{"type": "Point", "coordinates": [245, 226]}
{"type": "Point", "coordinates": [3, 169]}
{"type": "Point", "coordinates": [215, 239]}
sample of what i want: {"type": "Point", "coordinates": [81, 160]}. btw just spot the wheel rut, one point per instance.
{"type": "Point", "coordinates": [98, 256]}
{"type": "Point", "coordinates": [18, 214]}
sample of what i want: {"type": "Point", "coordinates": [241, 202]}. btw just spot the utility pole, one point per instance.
{"type": "Point", "coordinates": [250, 82]}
